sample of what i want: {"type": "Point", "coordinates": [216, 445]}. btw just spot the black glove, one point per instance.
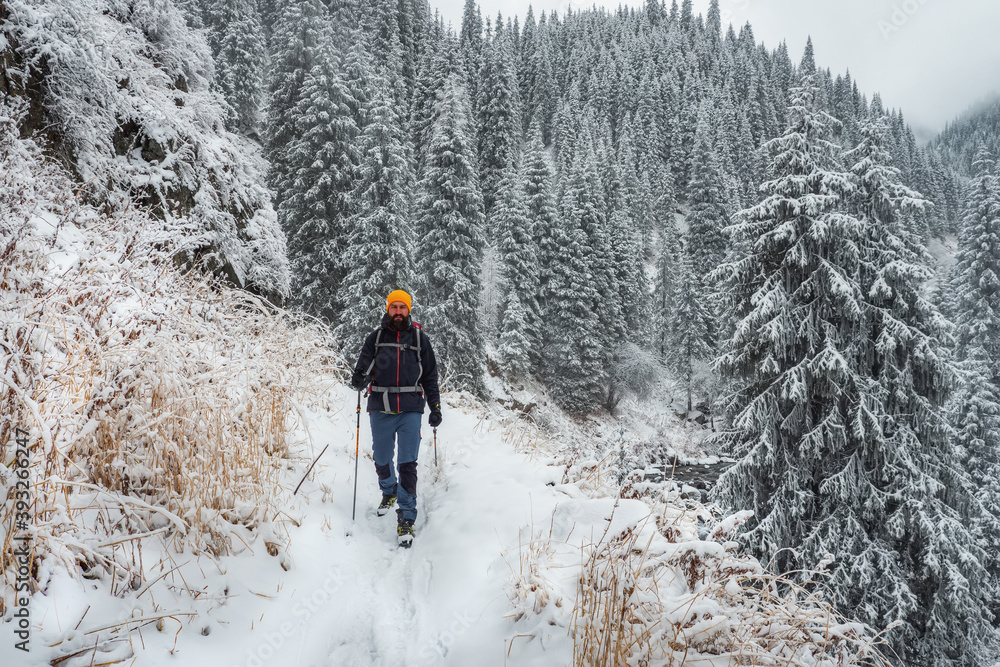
{"type": "Point", "coordinates": [358, 381]}
{"type": "Point", "coordinates": [435, 419]}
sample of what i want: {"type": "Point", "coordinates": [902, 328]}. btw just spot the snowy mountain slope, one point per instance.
{"type": "Point", "coordinates": [169, 419]}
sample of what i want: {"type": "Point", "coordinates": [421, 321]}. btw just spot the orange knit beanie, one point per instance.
{"type": "Point", "coordinates": [398, 295]}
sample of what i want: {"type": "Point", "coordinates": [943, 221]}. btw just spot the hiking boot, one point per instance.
{"type": "Point", "coordinates": [385, 505]}
{"type": "Point", "coordinates": [404, 531]}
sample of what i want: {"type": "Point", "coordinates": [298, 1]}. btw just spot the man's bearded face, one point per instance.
{"type": "Point", "coordinates": [398, 313]}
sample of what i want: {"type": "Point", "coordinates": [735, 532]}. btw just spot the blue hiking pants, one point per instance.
{"type": "Point", "coordinates": [388, 429]}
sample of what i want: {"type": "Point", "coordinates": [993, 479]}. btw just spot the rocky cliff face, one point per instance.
{"type": "Point", "coordinates": [119, 91]}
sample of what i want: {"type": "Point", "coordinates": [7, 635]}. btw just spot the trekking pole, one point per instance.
{"type": "Point", "coordinates": [435, 446]}
{"type": "Point", "coordinates": [357, 450]}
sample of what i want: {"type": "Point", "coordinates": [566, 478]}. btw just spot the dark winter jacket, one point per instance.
{"type": "Point", "coordinates": [396, 366]}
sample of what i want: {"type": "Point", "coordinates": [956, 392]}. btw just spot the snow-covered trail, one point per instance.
{"type": "Point", "coordinates": [338, 593]}
{"type": "Point", "coordinates": [442, 602]}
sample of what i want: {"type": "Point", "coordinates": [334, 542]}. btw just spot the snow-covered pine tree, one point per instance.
{"type": "Point", "coordinates": [583, 303]}
{"type": "Point", "coordinates": [299, 31]}
{"type": "Point", "coordinates": [321, 160]}
{"type": "Point", "coordinates": [450, 231]}
{"type": "Point", "coordinates": [682, 133]}
{"type": "Point", "coordinates": [794, 296]}
{"type": "Point", "coordinates": [470, 42]}
{"type": "Point", "coordinates": [193, 12]}
{"type": "Point", "coordinates": [565, 130]}
{"type": "Point", "coordinates": [378, 237]}
{"type": "Point", "coordinates": [634, 367]}
{"type": "Point", "coordinates": [713, 22]}
{"type": "Point", "coordinates": [807, 66]}
{"type": "Point", "coordinates": [688, 344]}
{"type": "Point", "coordinates": [975, 283]}
{"type": "Point", "coordinates": [838, 378]}
{"type": "Point", "coordinates": [687, 15]}
{"type": "Point", "coordinates": [706, 241]}
{"type": "Point", "coordinates": [381, 18]}
{"type": "Point", "coordinates": [904, 475]}
{"type": "Point", "coordinates": [240, 50]}
{"type": "Point", "coordinates": [798, 406]}
{"type": "Point", "coordinates": [345, 22]}
{"type": "Point", "coordinates": [663, 290]}
{"type": "Point", "coordinates": [630, 276]}
{"type": "Point", "coordinates": [543, 216]}
{"type": "Point", "coordinates": [539, 80]}
{"type": "Point", "coordinates": [415, 26]}
{"type": "Point", "coordinates": [439, 63]}
{"type": "Point", "coordinates": [499, 118]}
{"type": "Point", "coordinates": [518, 332]}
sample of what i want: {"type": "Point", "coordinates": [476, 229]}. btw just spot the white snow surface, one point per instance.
{"type": "Point", "coordinates": [350, 595]}
{"type": "Point", "coordinates": [492, 577]}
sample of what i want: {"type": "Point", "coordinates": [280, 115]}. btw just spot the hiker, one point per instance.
{"type": "Point", "coordinates": [398, 361]}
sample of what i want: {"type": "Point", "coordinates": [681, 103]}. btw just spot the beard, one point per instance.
{"type": "Point", "coordinates": [399, 322]}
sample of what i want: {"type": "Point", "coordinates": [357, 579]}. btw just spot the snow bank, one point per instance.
{"type": "Point", "coordinates": [636, 574]}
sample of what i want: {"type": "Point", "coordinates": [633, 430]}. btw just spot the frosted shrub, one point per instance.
{"type": "Point", "coordinates": [158, 403]}
{"type": "Point", "coordinates": [126, 92]}
{"type": "Point", "coordinates": [664, 597]}
{"type": "Point", "coordinates": [665, 584]}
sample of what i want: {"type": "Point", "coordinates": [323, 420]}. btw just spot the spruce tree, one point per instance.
{"type": "Point", "coordinates": [238, 44]}
{"type": "Point", "coordinates": [582, 303]}
{"type": "Point", "coordinates": [839, 377]}
{"type": "Point", "coordinates": [518, 331]}
{"type": "Point", "coordinates": [713, 22]}
{"type": "Point", "coordinates": [194, 14]}
{"type": "Point", "coordinates": [688, 344]}
{"type": "Point", "coordinates": [663, 293]}
{"type": "Point", "coordinates": [300, 31]}
{"type": "Point", "coordinates": [499, 117]}
{"type": "Point", "coordinates": [450, 228]}
{"type": "Point", "coordinates": [471, 46]}
{"type": "Point", "coordinates": [786, 296]}
{"type": "Point", "coordinates": [440, 63]}
{"type": "Point", "coordinates": [772, 285]}
{"type": "Point", "coordinates": [634, 367]}
{"type": "Point", "coordinates": [976, 410]}
{"type": "Point", "coordinates": [321, 162]}
{"type": "Point", "coordinates": [385, 46]}
{"type": "Point", "coordinates": [914, 462]}
{"type": "Point", "coordinates": [630, 275]}
{"type": "Point", "coordinates": [707, 218]}
{"type": "Point", "coordinates": [548, 241]}
{"type": "Point", "coordinates": [378, 237]}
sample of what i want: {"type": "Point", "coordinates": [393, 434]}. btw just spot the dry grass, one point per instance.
{"type": "Point", "coordinates": [652, 595]}
{"type": "Point", "coordinates": [616, 611]}
{"type": "Point", "coordinates": [529, 590]}
{"type": "Point", "coordinates": [674, 590]}
{"type": "Point", "coordinates": [159, 404]}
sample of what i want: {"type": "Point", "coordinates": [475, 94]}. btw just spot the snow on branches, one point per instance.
{"type": "Point", "coordinates": [126, 100]}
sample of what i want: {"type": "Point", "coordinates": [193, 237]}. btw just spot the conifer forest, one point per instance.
{"type": "Point", "coordinates": [591, 204]}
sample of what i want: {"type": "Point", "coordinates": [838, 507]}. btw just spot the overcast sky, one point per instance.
{"type": "Point", "coordinates": [932, 58]}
